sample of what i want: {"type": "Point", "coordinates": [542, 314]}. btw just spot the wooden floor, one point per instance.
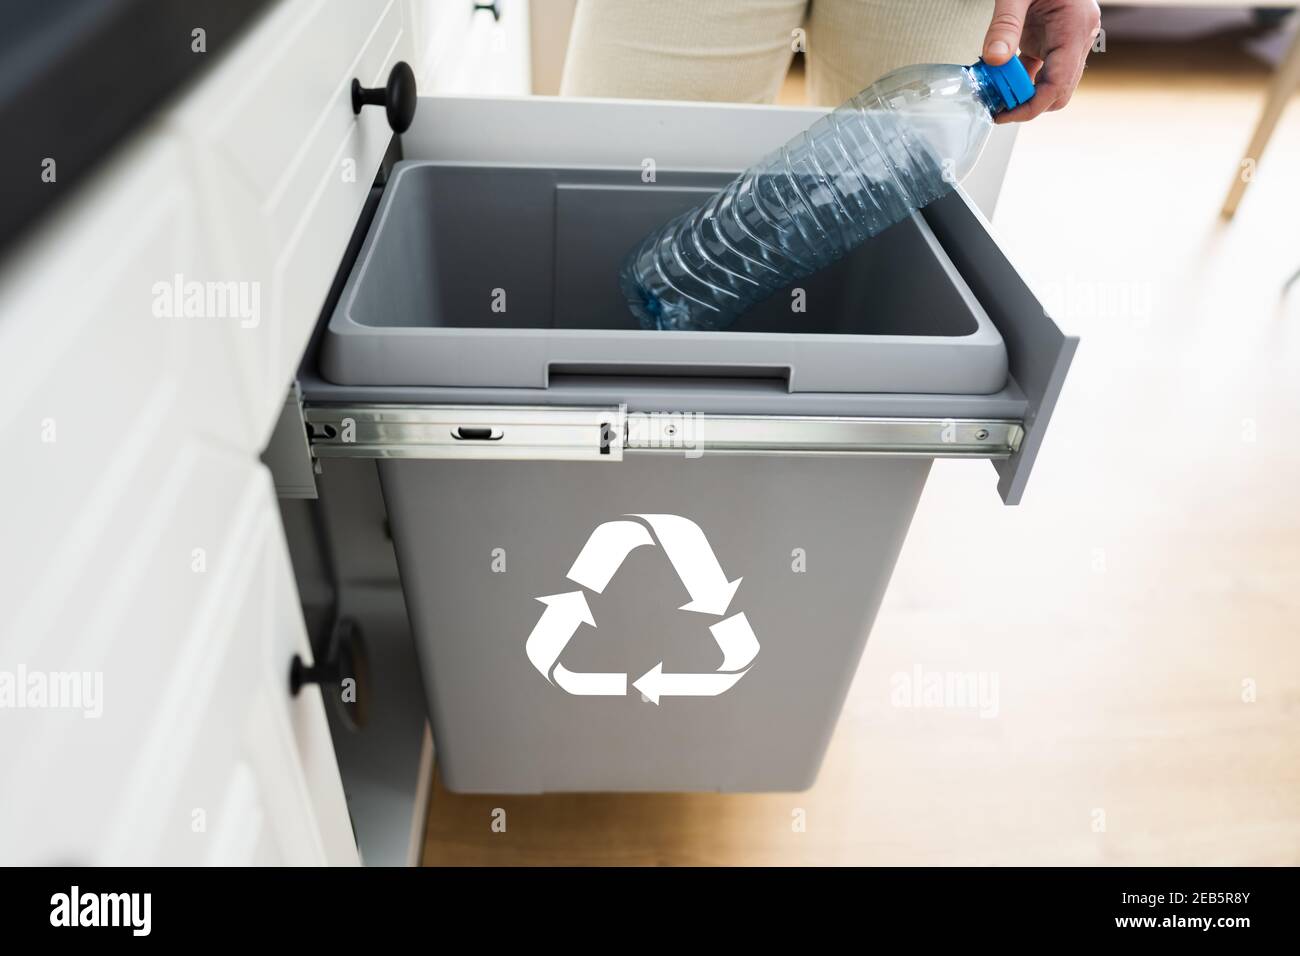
{"type": "Point", "coordinates": [1141, 610]}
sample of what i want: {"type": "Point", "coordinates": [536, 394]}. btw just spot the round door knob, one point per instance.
{"type": "Point", "coordinates": [343, 673]}
{"type": "Point", "coordinates": [397, 97]}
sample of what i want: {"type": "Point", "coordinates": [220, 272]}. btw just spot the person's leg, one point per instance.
{"type": "Point", "coordinates": [853, 42]}
{"type": "Point", "coordinates": [724, 50]}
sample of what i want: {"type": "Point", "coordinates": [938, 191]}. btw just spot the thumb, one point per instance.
{"type": "Point", "coordinates": [1004, 31]}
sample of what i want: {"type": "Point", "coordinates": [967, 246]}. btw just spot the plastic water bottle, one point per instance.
{"type": "Point", "coordinates": [900, 144]}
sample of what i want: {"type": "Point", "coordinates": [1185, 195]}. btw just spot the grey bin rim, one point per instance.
{"type": "Point", "coordinates": [412, 315]}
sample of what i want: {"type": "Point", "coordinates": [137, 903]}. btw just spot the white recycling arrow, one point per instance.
{"type": "Point", "coordinates": [696, 564]}
{"type": "Point", "coordinates": [654, 684]}
{"type": "Point", "coordinates": [591, 685]}
{"type": "Point", "coordinates": [736, 639]}
{"type": "Point", "coordinates": [599, 560]}
{"type": "Point", "coordinates": [564, 614]}
{"type": "Point", "coordinates": [604, 552]}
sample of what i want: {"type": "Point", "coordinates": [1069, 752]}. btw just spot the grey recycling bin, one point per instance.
{"type": "Point", "coordinates": [647, 560]}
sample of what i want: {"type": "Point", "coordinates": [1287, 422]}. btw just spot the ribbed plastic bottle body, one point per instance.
{"type": "Point", "coordinates": [895, 147]}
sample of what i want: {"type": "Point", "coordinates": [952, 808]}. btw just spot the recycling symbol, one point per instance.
{"type": "Point", "coordinates": [599, 560]}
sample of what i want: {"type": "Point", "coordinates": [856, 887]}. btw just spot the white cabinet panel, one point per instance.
{"type": "Point", "coordinates": [285, 166]}
{"type": "Point", "coordinates": [271, 105]}
{"type": "Point", "coordinates": [148, 331]}
{"type": "Point", "coordinates": [199, 753]}
{"type": "Point", "coordinates": [257, 780]}
{"type": "Point", "coordinates": [94, 377]}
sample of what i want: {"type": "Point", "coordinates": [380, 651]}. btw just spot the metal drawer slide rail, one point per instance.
{"type": "Point", "coordinates": [542, 433]}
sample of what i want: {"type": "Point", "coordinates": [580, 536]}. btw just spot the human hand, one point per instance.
{"type": "Point", "coordinates": [1054, 37]}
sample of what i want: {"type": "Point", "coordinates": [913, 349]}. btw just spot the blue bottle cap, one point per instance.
{"type": "Point", "coordinates": [1009, 82]}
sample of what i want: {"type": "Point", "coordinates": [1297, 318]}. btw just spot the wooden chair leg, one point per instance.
{"type": "Point", "coordinates": [1285, 82]}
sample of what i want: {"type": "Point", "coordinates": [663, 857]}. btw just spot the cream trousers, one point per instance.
{"type": "Point", "coordinates": [739, 50]}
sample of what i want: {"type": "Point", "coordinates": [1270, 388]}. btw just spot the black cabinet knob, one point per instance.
{"type": "Point", "coordinates": [343, 671]}
{"type": "Point", "coordinates": [301, 674]}
{"type": "Point", "coordinates": [491, 8]}
{"type": "Point", "coordinates": [397, 97]}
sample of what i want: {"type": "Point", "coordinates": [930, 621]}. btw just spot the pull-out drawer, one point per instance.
{"type": "Point", "coordinates": [552, 428]}
{"type": "Point", "coordinates": [656, 142]}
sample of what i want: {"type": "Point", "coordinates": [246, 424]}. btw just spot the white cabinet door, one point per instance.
{"type": "Point", "coordinates": [191, 748]}
{"type": "Point", "coordinates": [283, 168]}
{"type": "Point", "coordinates": [148, 330]}
{"type": "Point", "coordinates": [232, 769]}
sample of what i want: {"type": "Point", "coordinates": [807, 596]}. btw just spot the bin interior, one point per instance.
{"type": "Point", "coordinates": [495, 276]}
{"type": "Point", "coordinates": [554, 240]}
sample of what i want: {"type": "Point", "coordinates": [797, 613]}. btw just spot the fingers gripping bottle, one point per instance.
{"type": "Point", "coordinates": [897, 146]}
